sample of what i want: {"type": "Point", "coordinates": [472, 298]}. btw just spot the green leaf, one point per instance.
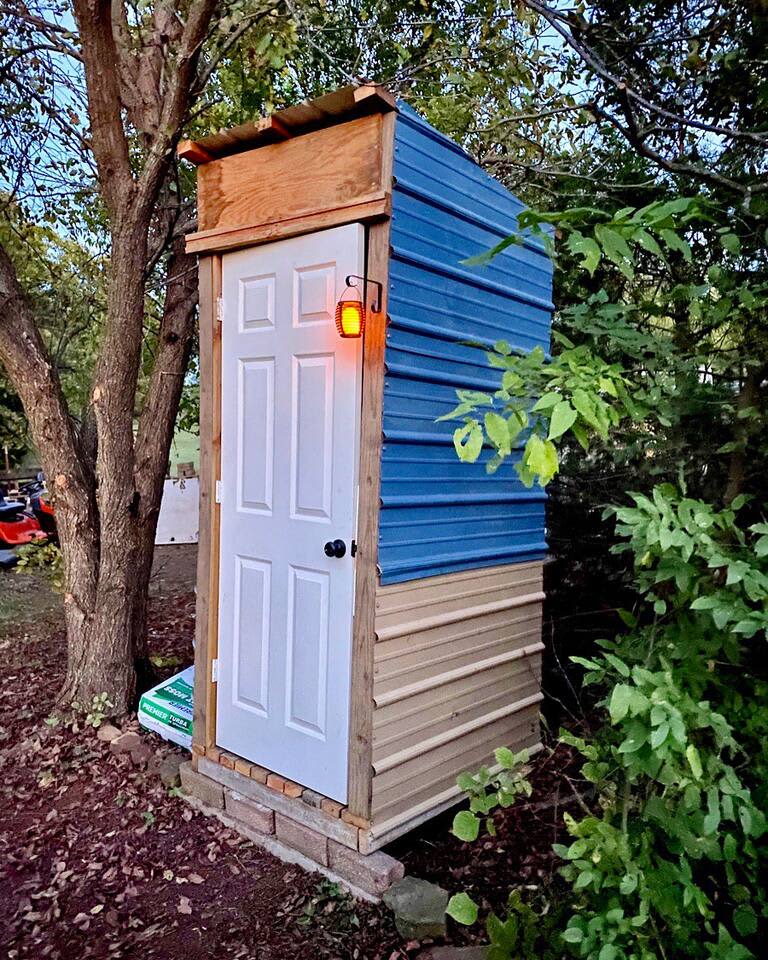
{"type": "Point", "coordinates": [617, 664]}
{"type": "Point", "coordinates": [504, 757]}
{"type": "Point", "coordinates": [659, 735]}
{"type": "Point", "coordinates": [468, 441]}
{"type": "Point", "coordinates": [586, 407]}
{"type": "Point", "coordinates": [647, 242]}
{"type": "Point", "coordinates": [573, 935]}
{"type": "Point", "coordinates": [608, 952]}
{"type": "Point", "coordinates": [731, 243]}
{"type": "Point", "coordinates": [587, 247]}
{"type": "Point", "coordinates": [465, 782]}
{"type": "Point", "coordinates": [462, 908]}
{"type": "Point", "coordinates": [694, 761]}
{"type": "Point", "coordinates": [540, 457]}
{"type": "Point", "coordinates": [563, 417]}
{"type": "Point", "coordinates": [745, 920]}
{"type": "Point", "coordinates": [615, 246]}
{"type": "Point", "coordinates": [466, 826]}
{"type": "Point", "coordinates": [620, 701]}
{"type": "Point", "coordinates": [497, 429]}
{"type": "Point", "coordinates": [675, 242]}
{"type": "Point", "coordinates": [548, 401]}
{"type": "Point", "coordinates": [583, 880]}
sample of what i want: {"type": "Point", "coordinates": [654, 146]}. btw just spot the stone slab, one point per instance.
{"type": "Point", "coordinates": [374, 873]}
{"type": "Point", "coordinates": [419, 908]}
{"type": "Point", "coordinates": [307, 841]}
{"type": "Point", "coordinates": [204, 788]}
{"type": "Point", "coordinates": [297, 810]}
{"type": "Point", "coordinates": [252, 814]}
{"type": "Point", "coordinates": [280, 850]}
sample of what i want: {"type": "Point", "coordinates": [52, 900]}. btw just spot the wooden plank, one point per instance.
{"type": "Point", "coordinates": [443, 711]}
{"type": "Point", "coordinates": [213, 635]}
{"type": "Point", "coordinates": [274, 125]}
{"type": "Point", "coordinates": [457, 672]}
{"type": "Point", "coordinates": [206, 625]}
{"type": "Point", "coordinates": [336, 107]}
{"type": "Point", "coordinates": [367, 209]}
{"type": "Point", "coordinates": [192, 151]}
{"type": "Point", "coordinates": [448, 737]}
{"type": "Point", "coordinates": [320, 171]}
{"type": "Point", "coordinates": [374, 92]}
{"type": "Point", "coordinates": [366, 573]}
{"type": "Point", "coordinates": [420, 779]}
{"type": "Point", "coordinates": [207, 311]}
{"type": "Point", "coordinates": [457, 616]}
{"type": "Point", "coordinates": [387, 831]}
{"type": "Point", "coordinates": [420, 658]}
{"type": "Point", "coordinates": [428, 684]}
{"type": "Point", "coordinates": [458, 590]}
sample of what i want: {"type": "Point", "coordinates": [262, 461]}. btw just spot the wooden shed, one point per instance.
{"type": "Point", "coordinates": [369, 607]}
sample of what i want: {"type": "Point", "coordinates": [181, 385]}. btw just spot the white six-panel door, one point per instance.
{"type": "Point", "coordinates": [290, 424]}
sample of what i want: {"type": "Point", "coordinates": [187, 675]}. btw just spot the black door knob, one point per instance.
{"type": "Point", "coordinates": [335, 548]}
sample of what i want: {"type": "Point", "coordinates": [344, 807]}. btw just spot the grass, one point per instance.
{"type": "Point", "coordinates": [185, 449]}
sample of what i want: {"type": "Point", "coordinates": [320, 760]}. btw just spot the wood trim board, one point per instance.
{"type": "Point", "coordinates": [222, 239]}
{"type": "Point", "coordinates": [364, 636]}
{"type": "Point", "coordinates": [207, 620]}
{"type": "Point", "coordinates": [311, 174]}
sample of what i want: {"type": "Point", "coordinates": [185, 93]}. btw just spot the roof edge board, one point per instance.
{"type": "Point", "coordinates": [339, 106]}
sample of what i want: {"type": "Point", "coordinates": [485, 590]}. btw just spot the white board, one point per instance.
{"type": "Point", "coordinates": [179, 519]}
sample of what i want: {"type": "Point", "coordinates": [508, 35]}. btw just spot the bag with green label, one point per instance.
{"type": "Point", "coordinates": [167, 708]}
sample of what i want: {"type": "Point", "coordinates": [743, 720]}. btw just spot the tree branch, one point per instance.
{"type": "Point", "coordinates": [100, 59]}
{"type": "Point", "coordinates": [556, 19]}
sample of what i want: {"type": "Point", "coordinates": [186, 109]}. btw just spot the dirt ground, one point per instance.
{"type": "Point", "coordinates": [98, 859]}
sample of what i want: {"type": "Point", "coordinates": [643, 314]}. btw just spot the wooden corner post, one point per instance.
{"type": "Point", "coordinates": [207, 606]}
{"type": "Point", "coordinates": [366, 573]}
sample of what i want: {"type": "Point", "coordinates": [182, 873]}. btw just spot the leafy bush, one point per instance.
{"type": "Point", "coordinates": [672, 860]}
{"type": "Point", "coordinates": [45, 557]}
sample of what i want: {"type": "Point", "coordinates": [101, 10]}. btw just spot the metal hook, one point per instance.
{"type": "Point", "coordinates": [376, 305]}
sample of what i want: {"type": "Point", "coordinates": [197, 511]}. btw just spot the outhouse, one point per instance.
{"type": "Point", "coordinates": [369, 607]}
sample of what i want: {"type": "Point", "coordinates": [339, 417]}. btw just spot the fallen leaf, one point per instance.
{"type": "Point", "coordinates": [184, 906]}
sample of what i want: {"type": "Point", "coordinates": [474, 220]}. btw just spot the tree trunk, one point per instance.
{"type": "Point", "coordinates": [156, 425]}
{"type": "Point", "coordinates": [107, 538]}
{"type": "Point", "coordinates": [107, 483]}
{"type": "Point", "coordinates": [98, 661]}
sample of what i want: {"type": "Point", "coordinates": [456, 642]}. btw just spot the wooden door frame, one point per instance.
{"type": "Point", "coordinates": [360, 743]}
{"type": "Point", "coordinates": [207, 603]}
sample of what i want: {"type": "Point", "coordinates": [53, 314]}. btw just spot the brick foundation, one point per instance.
{"type": "Point", "coordinates": [293, 828]}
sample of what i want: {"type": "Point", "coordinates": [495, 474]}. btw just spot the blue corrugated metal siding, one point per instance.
{"type": "Point", "coordinates": [438, 514]}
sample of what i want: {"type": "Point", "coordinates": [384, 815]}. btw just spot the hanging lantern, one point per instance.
{"type": "Point", "coordinates": [350, 312]}
{"type": "Point", "coordinates": [350, 318]}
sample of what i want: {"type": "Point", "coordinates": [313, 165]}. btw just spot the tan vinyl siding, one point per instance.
{"type": "Point", "coordinates": [457, 672]}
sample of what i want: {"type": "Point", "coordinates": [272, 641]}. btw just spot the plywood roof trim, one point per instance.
{"type": "Point", "coordinates": [339, 106]}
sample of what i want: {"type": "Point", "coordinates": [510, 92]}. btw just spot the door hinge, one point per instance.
{"type": "Point", "coordinates": [215, 671]}
{"type": "Point", "coordinates": [219, 309]}
{"type": "Point", "coordinates": [217, 494]}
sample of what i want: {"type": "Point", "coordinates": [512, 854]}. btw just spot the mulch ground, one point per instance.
{"type": "Point", "coordinates": [99, 859]}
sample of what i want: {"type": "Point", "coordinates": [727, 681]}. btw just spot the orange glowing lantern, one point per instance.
{"type": "Point", "coordinates": [350, 318]}
{"type": "Point", "coordinates": [351, 314]}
